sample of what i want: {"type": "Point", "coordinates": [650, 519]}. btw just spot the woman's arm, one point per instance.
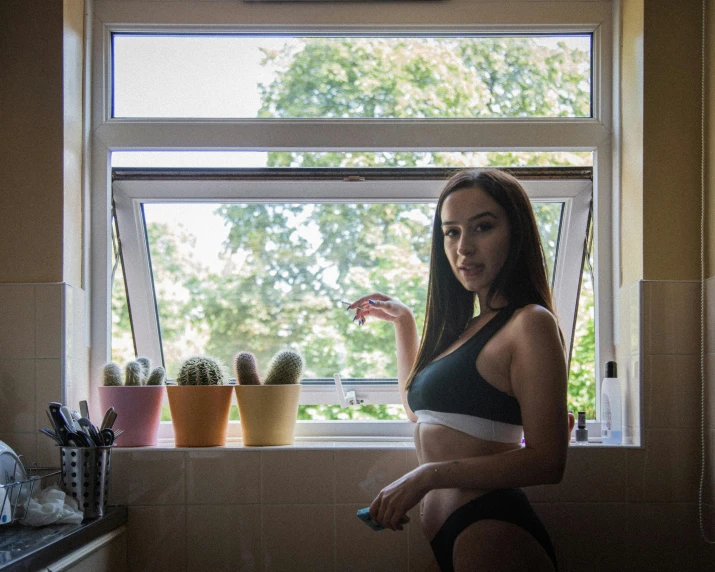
{"type": "Point", "coordinates": [539, 382]}
{"type": "Point", "coordinates": [392, 310]}
{"type": "Point", "coordinates": [407, 345]}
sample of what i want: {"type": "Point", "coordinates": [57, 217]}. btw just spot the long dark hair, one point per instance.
{"type": "Point", "coordinates": [522, 280]}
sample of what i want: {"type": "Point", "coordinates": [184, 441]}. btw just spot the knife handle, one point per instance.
{"type": "Point", "coordinates": [63, 430]}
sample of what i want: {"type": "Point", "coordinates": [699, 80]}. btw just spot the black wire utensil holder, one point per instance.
{"type": "Point", "coordinates": [15, 494]}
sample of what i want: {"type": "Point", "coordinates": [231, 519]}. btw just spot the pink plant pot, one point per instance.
{"type": "Point", "coordinates": [138, 412]}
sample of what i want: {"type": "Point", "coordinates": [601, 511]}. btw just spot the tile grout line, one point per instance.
{"type": "Point", "coordinates": [261, 519]}
{"type": "Point", "coordinates": [63, 345]}
{"type": "Point", "coordinates": [409, 530]}
{"type": "Point", "coordinates": [187, 471]}
{"type": "Point", "coordinates": [335, 510]}
{"type": "Point", "coordinates": [34, 367]}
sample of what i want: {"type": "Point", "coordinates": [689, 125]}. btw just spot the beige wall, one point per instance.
{"type": "Point", "coordinates": [710, 144]}
{"type": "Point", "coordinates": [660, 238]}
{"type": "Point", "coordinates": [72, 121]}
{"type": "Point", "coordinates": [40, 119]}
{"type": "Point", "coordinates": [631, 88]}
{"type": "Point", "coordinates": [43, 351]}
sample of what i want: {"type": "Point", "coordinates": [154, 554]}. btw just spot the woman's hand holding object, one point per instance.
{"type": "Point", "coordinates": [379, 306]}
{"type": "Point", "coordinates": [392, 503]}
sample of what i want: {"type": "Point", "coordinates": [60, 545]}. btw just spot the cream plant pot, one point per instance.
{"type": "Point", "coordinates": [268, 413]}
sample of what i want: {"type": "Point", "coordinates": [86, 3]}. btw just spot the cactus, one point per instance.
{"type": "Point", "coordinates": [286, 368]}
{"type": "Point", "coordinates": [245, 368]}
{"type": "Point", "coordinates": [157, 377]}
{"type": "Point", "coordinates": [133, 374]}
{"type": "Point", "coordinates": [112, 374]}
{"type": "Point", "coordinates": [146, 368]}
{"type": "Point", "coordinates": [201, 371]}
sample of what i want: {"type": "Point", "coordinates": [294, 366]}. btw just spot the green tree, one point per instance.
{"type": "Point", "coordinates": [426, 77]}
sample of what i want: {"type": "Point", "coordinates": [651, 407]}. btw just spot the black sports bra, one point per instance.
{"type": "Point", "coordinates": [450, 391]}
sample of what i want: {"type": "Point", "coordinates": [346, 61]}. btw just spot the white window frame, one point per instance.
{"type": "Point", "coordinates": [543, 134]}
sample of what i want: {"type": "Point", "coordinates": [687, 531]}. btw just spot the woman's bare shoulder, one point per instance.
{"type": "Point", "coordinates": [534, 321]}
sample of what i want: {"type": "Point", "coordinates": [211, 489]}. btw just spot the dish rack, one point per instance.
{"type": "Point", "coordinates": [15, 495]}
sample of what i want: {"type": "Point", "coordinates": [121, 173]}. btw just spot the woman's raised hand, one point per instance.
{"type": "Point", "coordinates": [379, 306]}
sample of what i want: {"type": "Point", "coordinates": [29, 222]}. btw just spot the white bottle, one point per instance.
{"type": "Point", "coordinates": [612, 429]}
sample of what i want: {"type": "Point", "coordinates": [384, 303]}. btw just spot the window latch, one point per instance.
{"type": "Point", "coordinates": [346, 399]}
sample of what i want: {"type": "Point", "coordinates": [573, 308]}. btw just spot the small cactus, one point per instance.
{"type": "Point", "coordinates": [286, 368]}
{"type": "Point", "coordinates": [201, 371]}
{"type": "Point", "coordinates": [146, 368]}
{"type": "Point", "coordinates": [245, 368]}
{"type": "Point", "coordinates": [112, 374]}
{"type": "Point", "coordinates": [157, 376]}
{"type": "Point", "coordinates": [133, 374]}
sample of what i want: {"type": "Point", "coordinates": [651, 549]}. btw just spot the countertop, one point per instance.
{"type": "Point", "coordinates": [26, 548]}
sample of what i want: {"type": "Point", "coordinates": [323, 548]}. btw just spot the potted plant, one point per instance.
{"type": "Point", "coordinates": [268, 411]}
{"type": "Point", "coordinates": [200, 403]}
{"type": "Point", "coordinates": [137, 400]}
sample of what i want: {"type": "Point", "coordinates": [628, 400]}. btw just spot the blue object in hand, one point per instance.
{"type": "Point", "coordinates": [364, 515]}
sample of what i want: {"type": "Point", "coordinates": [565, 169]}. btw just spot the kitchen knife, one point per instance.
{"type": "Point", "coordinates": [59, 421]}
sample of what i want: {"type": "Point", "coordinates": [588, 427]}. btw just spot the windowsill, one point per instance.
{"type": "Point", "coordinates": [397, 434]}
{"type": "Point", "coordinates": [322, 443]}
{"type": "Point", "coordinates": [598, 444]}
{"type": "Point", "coordinates": [299, 444]}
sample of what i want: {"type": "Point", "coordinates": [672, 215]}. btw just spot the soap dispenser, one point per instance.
{"type": "Point", "coordinates": [611, 403]}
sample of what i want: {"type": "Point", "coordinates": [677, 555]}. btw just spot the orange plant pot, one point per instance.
{"type": "Point", "coordinates": [199, 414]}
{"type": "Point", "coordinates": [268, 413]}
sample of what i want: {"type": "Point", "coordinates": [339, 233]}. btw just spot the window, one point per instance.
{"type": "Point", "coordinates": [297, 146]}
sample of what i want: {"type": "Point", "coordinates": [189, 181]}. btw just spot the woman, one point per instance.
{"type": "Point", "coordinates": [474, 383]}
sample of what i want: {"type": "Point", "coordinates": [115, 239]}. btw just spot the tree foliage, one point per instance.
{"type": "Point", "coordinates": [427, 78]}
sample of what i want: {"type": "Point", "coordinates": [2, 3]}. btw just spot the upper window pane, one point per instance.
{"type": "Point", "coordinates": [211, 76]}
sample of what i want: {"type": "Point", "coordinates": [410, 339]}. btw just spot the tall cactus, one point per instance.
{"type": "Point", "coordinates": [286, 368]}
{"type": "Point", "coordinates": [201, 370]}
{"type": "Point", "coordinates": [146, 368]}
{"type": "Point", "coordinates": [157, 376]}
{"type": "Point", "coordinates": [112, 375]}
{"type": "Point", "coordinates": [133, 374]}
{"type": "Point", "coordinates": [245, 367]}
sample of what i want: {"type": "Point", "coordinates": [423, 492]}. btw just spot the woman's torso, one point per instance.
{"type": "Point", "coordinates": [436, 443]}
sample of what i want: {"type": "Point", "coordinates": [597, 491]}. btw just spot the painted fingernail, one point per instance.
{"type": "Point", "coordinates": [371, 302]}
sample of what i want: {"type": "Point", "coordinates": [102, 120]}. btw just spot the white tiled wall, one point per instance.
{"type": "Point", "coordinates": [43, 357]}
{"type": "Point", "coordinates": [293, 508]}
{"type": "Point", "coordinates": [269, 510]}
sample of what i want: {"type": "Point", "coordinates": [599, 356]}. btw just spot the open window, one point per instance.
{"type": "Point", "coordinates": [261, 260]}
{"type": "Point", "coordinates": [258, 177]}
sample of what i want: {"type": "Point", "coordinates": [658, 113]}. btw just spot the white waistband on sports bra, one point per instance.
{"type": "Point", "coordinates": [475, 426]}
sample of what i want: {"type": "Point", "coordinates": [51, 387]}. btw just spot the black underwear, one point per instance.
{"type": "Point", "coordinates": [508, 505]}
